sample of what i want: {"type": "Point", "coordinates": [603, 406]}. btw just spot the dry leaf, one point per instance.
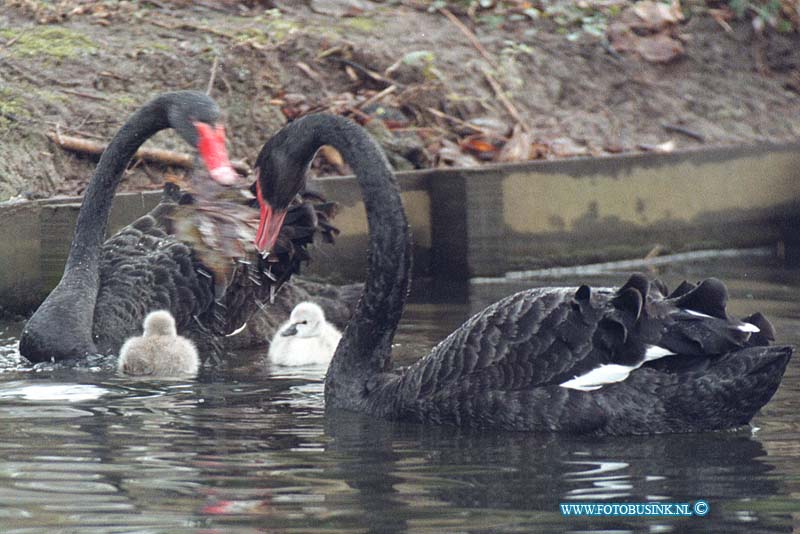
{"type": "Point", "coordinates": [332, 156]}
{"type": "Point", "coordinates": [538, 151]}
{"type": "Point", "coordinates": [480, 147]}
{"type": "Point", "coordinates": [656, 15]}
{"type": "Point", "coordinates": [451, 155]}
{"type": "Point", "coordinates": [659, 48]}
{"type": "Point", "coordinates": [563, 147]}
{"type": "Point", "coordinates": [518, 148]}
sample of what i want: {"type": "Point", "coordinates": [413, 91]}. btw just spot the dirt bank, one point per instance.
{"type": "Point", "coordinates": [80, 68]}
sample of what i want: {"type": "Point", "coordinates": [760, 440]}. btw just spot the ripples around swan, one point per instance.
{"type": "Point", "coordinates": [252, 450]}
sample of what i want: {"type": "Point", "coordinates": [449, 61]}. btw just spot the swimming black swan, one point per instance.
{"type": "Point", "coordinates": [584, 360]}
{"type": "Point", "coordinates": [159, 351]}
{"type": "Point", "coordinates": [107, 289]}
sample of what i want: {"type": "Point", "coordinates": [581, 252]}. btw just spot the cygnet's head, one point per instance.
{"type": "Point", "coordinates": [159, 323]}
{"type": "Point", "coordinates": [305, 320]}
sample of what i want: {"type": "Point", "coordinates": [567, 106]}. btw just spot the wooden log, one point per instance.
{"type": "Point", "coordinates": [169, 158]}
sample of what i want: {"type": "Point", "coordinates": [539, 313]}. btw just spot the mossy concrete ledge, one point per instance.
{"type": "Point", "coordinates": [492, 220]}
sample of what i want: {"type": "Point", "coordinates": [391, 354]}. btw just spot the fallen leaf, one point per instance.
{"type": "Point", "coordinates": [656, 15]}
{"type": "Point", "coordinates": [518, 147]}
{"type": "Point", "coordinates": [492, 126]}
{"type": "Point", "coordinates": [332, 156]}
{"type": "Point", "coordinates": [451, 155]}
{"type": "Point", "coordinates": [479, 146]}
{"type": "Point", "coordinates": [538, 151]}
{"type": "Point", "coordinates": [659, 48]}
{"type": "Point", "coordinates": [563, 147]}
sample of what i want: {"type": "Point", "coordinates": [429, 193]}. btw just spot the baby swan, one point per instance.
{"type": "Point", "coordinates": [305, 339]}
{"type": "Point", "coordinates": [160, 351]}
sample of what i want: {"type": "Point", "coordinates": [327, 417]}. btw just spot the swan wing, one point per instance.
{"type": "Point", "coordinates": [574, 360]}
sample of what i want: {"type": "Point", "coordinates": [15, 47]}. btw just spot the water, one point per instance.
{"type": "Point", "coordinates": [253, 450]}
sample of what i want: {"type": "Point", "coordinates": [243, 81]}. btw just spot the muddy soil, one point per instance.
{"type": "Point", "coordinates": [80, 68]}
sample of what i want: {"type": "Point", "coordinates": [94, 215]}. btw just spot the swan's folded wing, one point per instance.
{"type": "Point", "coordinates": [586, 339]}
{"type": "Point", "coordinates": [526, 340]}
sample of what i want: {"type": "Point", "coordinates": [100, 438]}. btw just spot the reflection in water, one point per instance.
{"type": "Point", "coordinates": [252, 450]}
{"type": "Point", "coordinates": [51, 392]}
{"type": "Point", "coordinates": [462, 473]}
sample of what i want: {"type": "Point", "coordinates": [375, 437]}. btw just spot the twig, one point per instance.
{"type": "Point", "coordinates": [213, 75]}
{"type": "Point", "coordinates": [83, 95]}
{"type": "Point", "coordinates": [9, 116]}
{"type": "Point", "coordinates": [456, 120]}
{"type": "Point", "coordinates": [153, 155]}
{"type": "Point", "coordinates": [30, 123]}
{"type": "Point", "coordinates": [188, 27]}
{"type": "Point", "coordinates": [371, 74]}
{"type": "Point", "coordinates": [498, 91]}
{"type": "Point", "coordinates": [610, 50]}
{"type": "Point", "coordinates": [377, 96]}
{"type": "Point", "coordinates": [470, 35]}
{"type": "Point", "coordinates": [685, 131]}
{"type": "Point", "coordinates": [110, 74]}
{"type": "Point", "coordinates": [308, 71]}
{"type": "Point", "coordinates": [13, 40]}
{"type": "Point", "coordinates": [36, 78]}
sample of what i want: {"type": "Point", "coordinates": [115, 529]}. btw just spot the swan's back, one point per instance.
{"type": "Point", "coordinates": [159, 352]}
{"type": "Point", "coordinates": [144, 267]}
{"type": "Point", "coordinates": [629, 361]}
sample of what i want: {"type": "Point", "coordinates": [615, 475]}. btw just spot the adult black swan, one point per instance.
{"type": "Point", "coordinates": [634, 360]}
{"type": "Point", "coordinates": [108, 288]}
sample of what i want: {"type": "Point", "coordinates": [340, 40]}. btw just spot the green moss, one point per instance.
{"type": "Point", "coordinates": [252, 35]}
{"type": "Point", "coordinates": [162, 47]}
{"type": "Point", "coordinates": [362, 24]}
{"type": "Point", "coordinates": [126, 101]}
{"type": "Point", "coordinates": [272, 28]}
{"type": "Point", "coordinates": [11, 105]}
{"type": "Point", "coordinates": [52, 97]}
{"type": "Point", "coordinates": [48, 41]}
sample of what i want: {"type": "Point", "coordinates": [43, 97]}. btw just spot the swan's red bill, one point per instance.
{"type": "Point", "coordinates": [269, 225]}
{"type": "Point", "coordinates": [211, 145]}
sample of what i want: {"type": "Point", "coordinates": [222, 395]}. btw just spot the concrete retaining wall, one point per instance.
{"type": "Point", "coordinates": [491, 220]}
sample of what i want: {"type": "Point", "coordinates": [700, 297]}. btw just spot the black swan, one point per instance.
{"type": "Point", "coordinates": [633, 360]}
{"type": "Point", "coordinates": [108, 288]}
{"type": "Point", "coordinates": [159, 351]}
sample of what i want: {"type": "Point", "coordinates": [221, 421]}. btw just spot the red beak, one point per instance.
{"type": "Point", "coordinates": [211, 145]}
{"type": "Point", "coordinates": [270, 224]}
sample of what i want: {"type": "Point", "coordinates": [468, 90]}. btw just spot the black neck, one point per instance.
{"type": "Point", "coordinates": [62, 326]}
{"type": "Point", "coordinates": [366, 343]}
{"type": "Point", "coordinates": [93, 216]}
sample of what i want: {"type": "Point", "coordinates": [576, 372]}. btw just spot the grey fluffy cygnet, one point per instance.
{"type": "Point", "coordinates": [160, 351]}
{"type": "Point", "coordinates": [305, 339]}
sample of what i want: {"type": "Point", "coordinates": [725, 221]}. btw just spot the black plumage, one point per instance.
{"type": "Point", "coordinates": [109, 287]}
{"type": "Point", "coordinates": [582, 360]}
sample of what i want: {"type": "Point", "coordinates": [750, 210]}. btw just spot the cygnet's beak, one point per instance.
{"type": "Point", "coordinates": [291, 331]}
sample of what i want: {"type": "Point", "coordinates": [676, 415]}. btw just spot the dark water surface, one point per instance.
{"type": "Point", "coordinates": [252, 450]}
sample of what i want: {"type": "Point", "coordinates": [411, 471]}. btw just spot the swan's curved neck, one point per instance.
{"type": "Point", "coordinates": [62, 326]}
{"type": "Point", "coordinates": [365, 348]}
{"type": "Point", "coordinates": [96, 206]}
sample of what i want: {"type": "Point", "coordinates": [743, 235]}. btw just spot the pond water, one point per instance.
{"type": "Point", "coordinates": [252, 449]}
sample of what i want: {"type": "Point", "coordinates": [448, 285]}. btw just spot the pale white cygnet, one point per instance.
{"type": "Point", "coordinates": [305, 339]}
{"type": "Point", "coordinates": [160, 351]}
